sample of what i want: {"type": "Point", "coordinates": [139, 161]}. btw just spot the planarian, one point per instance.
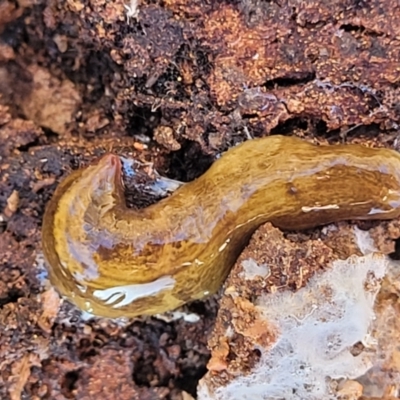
{"type": "Point", "coordinates": [113, 261]}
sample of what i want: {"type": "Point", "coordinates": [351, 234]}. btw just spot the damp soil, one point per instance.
{"type": "Point", "coordinates": [174, 86]}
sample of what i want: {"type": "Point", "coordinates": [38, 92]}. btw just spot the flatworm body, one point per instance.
{"type": "Point", "coordinates": [114, 261]}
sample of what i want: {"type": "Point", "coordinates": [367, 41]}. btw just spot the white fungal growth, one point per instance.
{"type": "Point", "coordinates": [251, 269]}
{"type": "Point", "coordinates": [317, 325]}
{"type": "Point", "coordinates": [132, 10]}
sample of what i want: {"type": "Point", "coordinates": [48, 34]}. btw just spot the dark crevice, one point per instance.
{"type": "Point", "coordinates": [97, 71]}
{"type": "Point", "coordinates": [68, 384]}
{"type": "Point", "coordinates": [321, 128]}
{"type": "Point", "coordinates": [352, 28]}
{"type": "Point", "coordinates": [396, 254]}
{"type": "Point", "coordinates": [12, 297]}
{"type": "Point", "coordinates": [26, 147]}
{"type": "Point", "coordinates": [190, 380]}
{"type": "Point", "coordinates": [14, 33]}
{"type": "Point", "coordinates": [86, 349]}
{"type": "Point", "coordinates": [189, 162]}
{"type": "Point", "coordinates": [51, 136]}
{"type": "Point", "coordinates": [144, 371]}
{"type": "Point", "coordinates": [287, 127]}
{"type": "Point", "coordinates": [142, 122]}
{"type": "Point", "coordinates": [184, 165]}
{"type": "Point", "coordinates": [292, 79]}
{"type": "Point", "coordinates": [197, 307]}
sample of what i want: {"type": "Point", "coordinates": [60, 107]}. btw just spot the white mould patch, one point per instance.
{"type": "Point", "coordinates": [251, 269]}
{"type": "Point", "coordinates": [364, 241]}
{"type": "Point", "coordinates": [317, 325]}
{"type": "Point", "coordinates": [329, 228]}
{"type": "Point", "coordinates": [175, 315]}
{"type": "Point", "coordinates": [132, 10]}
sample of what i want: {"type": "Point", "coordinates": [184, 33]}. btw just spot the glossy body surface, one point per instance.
{"type": "Point", "coordinates": [114, 261]}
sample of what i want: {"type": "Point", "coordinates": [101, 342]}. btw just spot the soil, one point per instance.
{"type": "Point", "coordinates": [174, 85]}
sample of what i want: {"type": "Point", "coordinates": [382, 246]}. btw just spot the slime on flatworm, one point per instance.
{"type": "Point", "coordinates": [114, 261]}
